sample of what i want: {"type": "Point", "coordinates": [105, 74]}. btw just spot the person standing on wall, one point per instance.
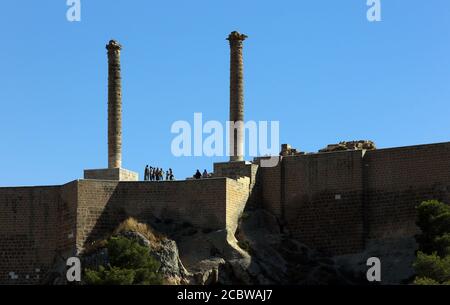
{"type": "Point", "coordinates": [146, 173]}
{"type": "Point", "coordinates": [157, 174]}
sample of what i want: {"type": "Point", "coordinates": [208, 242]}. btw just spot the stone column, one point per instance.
{"type": "Point", "coordinates": [114, 105]}
{"type": "Point", "coordinates": [236, 95]}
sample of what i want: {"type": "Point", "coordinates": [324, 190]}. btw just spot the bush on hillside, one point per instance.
{"type": "Point", "coordinates": [433, 258]}
{"type": "Point", "coordinates": [129, 264]}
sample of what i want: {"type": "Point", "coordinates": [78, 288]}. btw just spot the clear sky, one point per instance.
{"type": "Point", "coordinates": [317, 66]}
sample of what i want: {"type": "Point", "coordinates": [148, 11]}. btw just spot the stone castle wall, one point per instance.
{"type": "Point", "coordinates": [323, 200]}
{"type": "Point", "coordinates": [38, 227]}
{"type": "Point", "coordinates": [42, 226]}
{"type": "Point", "coordinates": [269, 188]}
{"type": "Point", "coordinates": [237, 196]}
{"type": "Point", "coordinates": [334, 201]}
{"type": "Point", "coordinates": [337, 201]}
{"type": "Point", "coordinates": [237, 170]}
{"type": "Point", "coordinates": [102, 205]}
{"type": "Point", "coordinates": [397, 179]}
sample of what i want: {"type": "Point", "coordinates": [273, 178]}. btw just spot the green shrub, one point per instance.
{"type": "Point", "coordinates": [425, 281]}
{"type": "Point", "coordinates": [109, 276]}
{"type": "Point", "coordinates": [433, 267]}
{"type": "Point", "coordinates": [433, 258]}
{"type": "Point", "coordinates": [433, 218]}
{"type": "Point", "coordinates": [443, 245]}
{"type": "Point", "coordinates": [129, 264]}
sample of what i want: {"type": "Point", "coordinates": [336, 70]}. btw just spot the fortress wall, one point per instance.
{"type": "Point", "coordinates": [239, 169]}
{"type": "Point", "coordinates": [330, 201]}
{"type": "Point", "coordinates": [398, 179]}
{"type": "Point", "coordinates": [97, 210]}
{"type": "Point", "coordinates": [43, 226]}
{"type": "Point", "coordinates": [336, 201]}
{"type": "Point", "coordinates": [36, 222]}
{"type": "Point", "coordinates": [269, 188]}
{"type": "Point", "coordinates": [67, 226]}
{"type": "Point", "coordinates": [237, 196]}
{"type": "Point", "coordinates": [322, 200]}
{"type": "Point", "coordinates": [103, 205]}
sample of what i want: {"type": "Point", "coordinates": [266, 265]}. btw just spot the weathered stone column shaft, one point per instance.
{"type": "Point", "coordinates": [236, 95]}
{"type": "Point", "coordinates": [114, 106]}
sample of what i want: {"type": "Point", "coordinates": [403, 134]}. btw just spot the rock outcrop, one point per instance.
{"type": "Point", "coordinates": [396, 255]}
{"type": "Point", "coordinates": [165, 251]}
{"type": "Point", "coordinates": [278, 259]}
{"type": "Point", "coordinates": [260, 253]}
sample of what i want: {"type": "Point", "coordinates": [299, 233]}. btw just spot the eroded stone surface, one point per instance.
{"type": "Point", "coordinates": [351, 145]}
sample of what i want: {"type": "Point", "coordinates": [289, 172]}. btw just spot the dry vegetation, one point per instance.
{"type": "Point", "coordinates": [130, 224]}
{"type": "Point", "coordinates": [133, 225]}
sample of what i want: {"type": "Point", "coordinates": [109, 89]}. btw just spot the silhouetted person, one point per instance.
{"type": "Point", "coordinates": [171, 174]}
{"type": "Point", "coordinates": [205, 174]}
{"type": "Point", "coordinates": [197, 175]}
{"type": "Point", "coordinates": [146, 173]}
{"type": "Point", "coordinates": [152, 174]}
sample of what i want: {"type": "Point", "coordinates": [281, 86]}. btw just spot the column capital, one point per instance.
{"type": "Point", "coordinates": [236, 37]}
{"type": "Point", "coordinates": [113, 45]}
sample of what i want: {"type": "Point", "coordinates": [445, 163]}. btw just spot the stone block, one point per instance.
{"type": "Point", "coordinates": [117, 174]}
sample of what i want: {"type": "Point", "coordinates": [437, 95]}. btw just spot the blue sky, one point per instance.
{"type": "Point", "coordinates": [319, 67]}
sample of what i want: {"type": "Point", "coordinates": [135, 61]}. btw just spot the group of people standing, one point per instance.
{"type": "Point", "coordinates": [157, 174]}
{"type": "Point", "coordinates": [199, 175]}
